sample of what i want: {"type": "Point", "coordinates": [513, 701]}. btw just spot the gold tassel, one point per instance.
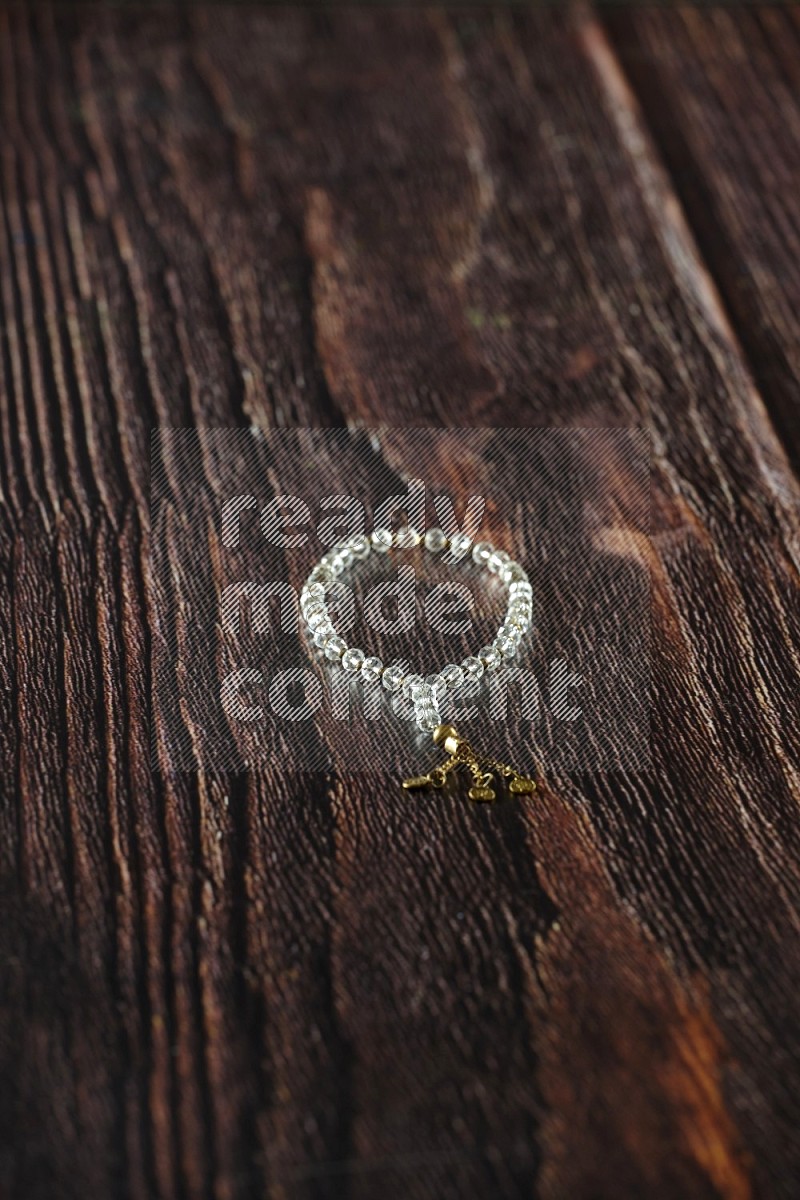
{"type": "Point", "coordinates": [480, 767]}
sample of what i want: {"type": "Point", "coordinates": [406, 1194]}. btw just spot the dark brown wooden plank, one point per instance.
{"type": "Point", "coordinates": [720, 89]}
{"type": "Point", "coordinates": [218, 987]}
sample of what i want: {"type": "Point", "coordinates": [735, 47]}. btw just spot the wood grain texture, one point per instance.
{"type": "Point", "coordinates": [261, 985]}
{"type": "Point", "coordinates": [699, 76]}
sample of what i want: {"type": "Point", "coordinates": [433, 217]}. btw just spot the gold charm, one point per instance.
{"type": "Point", "coordinates": [419, 781]}
{"type": "Point", "coordinates": [462, 754]}
{"type": "Point", "coordinates": [521, 786]}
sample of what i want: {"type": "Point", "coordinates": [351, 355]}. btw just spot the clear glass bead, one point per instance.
{"type": "Point", "coordinates": [435, 540]}
{"type": "Point", "coordinates": [437, 684]}
{"type": "Point", "coordinates": [520, 623]}
{"type": "Point", "coordinates": [427, 710]}
{"type": "Point", "coordinates": [371, 668]}
{"type": "Point", "coordinates": [317, 620]}
{"type": "Point", "coordinates": [460, 544]}
{"type": "Point", "coordinates": [312, 604]}
{"type": "Point", "coordinates": [409, 683]}
{"type": "Point", "coordinates": [323, 635]}
{"type": "Point", "coordinates": [520, 587]}
{"type": "Point", "coordinates": [321, 574]}
{"type": "Point", "coordinates": [392, 678]}
{"type": "Point", "coordinates": [407, 537]}
{"type": "Point", "coordinates": [428, 720]}
{"type": "Point", "coordinates": [507, 646]}
{"type": "Point", "coordinates": [381, 540]}
{"type": "Point", "coordinates": [423, 695]}
{"type": "Point", "coordinates": [452, 675]}
{"type": "Point", "coordinates": [490, 658]}
{"type": "Point", "coordinates": [512, 572]}
{"type": "Point", "coordinates": [335, 648]}
{"type": "Point", "coordinates": [313, 591]}
{"type": "Point", "coordinates": [497, 560]}
{"type": "Point", "coordinates": [472, 668]}
{"type": "Point", "coordinates": [352, 659]}
{"type": "Point", "coordinates": [344, 552]}
{"type": "Point", "coordinates": [332, 562]}
{"type": "Point", "coordinates": [481, 553]}
{"type": "Point", "coordinates": [360, 545]}
{"type": "Point", "coordinates": [509, 630]}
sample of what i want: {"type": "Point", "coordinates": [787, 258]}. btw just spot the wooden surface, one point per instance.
{"type": "Point", "coordinates": [246, 986]}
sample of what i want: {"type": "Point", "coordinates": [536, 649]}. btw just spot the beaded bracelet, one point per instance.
{"type": "Point", "coordinates": [427, 693]}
